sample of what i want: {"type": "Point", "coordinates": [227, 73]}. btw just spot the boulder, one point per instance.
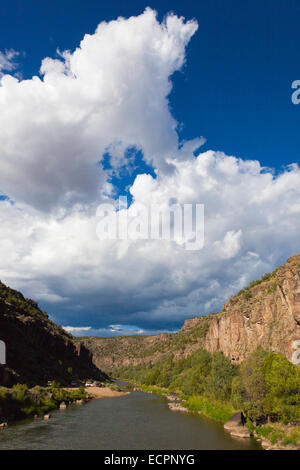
{"type": "Point", "coordinates": [240, 432]}
{"type": "Point", "coordinates": [234, 422]}
{"type": "Point", "coordinates": [236, 427]}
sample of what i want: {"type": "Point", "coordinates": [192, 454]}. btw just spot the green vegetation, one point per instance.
{"type": "Point", "coordinates": [153, 389]}
{"type": "Point", "coordinates": [20, 402]}
{"type": "Point", "coordinates": [21, 306]}
{"type": "Point", "coordinates": [39, 350]}
{"type": "Point", "coordinates": [266, 278]}
{"type": "Point", "coordinates": [116, 388]}
{"type": "Point", "coordinates": [145, 347]}
{"type": "Point", "coordinates": [265, 387]}
{"type": "Point", "coordinates": [276, 432]}
{"type": "Point", "coordinates": [201, 373]}
{"type": "Point", "coordinates": [203, 379]}
{"type": "Point", "coordinates": [211, 409]}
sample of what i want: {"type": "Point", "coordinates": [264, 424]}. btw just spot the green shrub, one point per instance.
{"type": "Point", "coordinates": [211, 409]}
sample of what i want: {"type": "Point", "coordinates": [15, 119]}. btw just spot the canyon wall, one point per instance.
{"type": "Point", "coordinates": [266, 314]}
{"type": "Point", "coordinates": [38, 350]}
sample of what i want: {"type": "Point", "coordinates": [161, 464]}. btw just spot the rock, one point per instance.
{"type": "Point", "coordinates": [79, 402]}
{"type": "Point", "coordinates": [173, 397]}
{"type": "Point", "coordinates": [266, 315]}
{"type": "Point", "coordinates": [62, 406]}
{"type": "Point", "coordinates": [240, 432]}
{"type": "Point", "coordinates": [3, 425]}
{"type": "Point", "coordinates": [40, 341]}
{"type": "Point", "coordinates": [47, 416]}
{"type": "Point", "coordinates": [265, 444]}
{"type": "Point", "coordinates": [236, 428]}
{"type": "Point", "coordinates": [177, 407]}
{"type": "Point", "coordinates": [234, 422]}
{"type": "Point", "coordinates": [246, 323]}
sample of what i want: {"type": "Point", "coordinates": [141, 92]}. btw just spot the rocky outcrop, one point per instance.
{"type": "Point", "coordinates": [266, 314]}
{"type": "Point", "coordinates": [37, 349]}
{"type": "Point", "coordinates": [235, 426]}
{"type": "Point", "coordinates": [112, 353]}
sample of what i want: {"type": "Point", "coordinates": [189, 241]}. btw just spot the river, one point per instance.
{"type": "Point", "coordinates": [135, 421]}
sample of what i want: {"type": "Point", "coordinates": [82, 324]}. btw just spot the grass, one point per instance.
{"type": "Point", "coordinates": [153, 389]}
{"type": "Point", "coordinates": [292, 438]}
{"type": "Point", "coordinates": [211, 409]}
{"type": "Point", "coordinates": [19, 402]}
{"type": "Point", "coordinates": [277, 433]}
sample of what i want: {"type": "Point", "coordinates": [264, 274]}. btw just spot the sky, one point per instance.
{"type": "Point", "coordinates": [163, 101]}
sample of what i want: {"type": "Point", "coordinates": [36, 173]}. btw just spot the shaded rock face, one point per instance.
{"type": "Point", "coordinates": [37, 349]}
{"type": "Point", "coordinates": [270, 317]}
{"type": "Point", "coordinates": [111, 353]}
{"type": "Point", "coordinates": [266, 314]}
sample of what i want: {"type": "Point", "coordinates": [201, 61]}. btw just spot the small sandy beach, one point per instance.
{"type": "Point", "coordinates": [103, 392]}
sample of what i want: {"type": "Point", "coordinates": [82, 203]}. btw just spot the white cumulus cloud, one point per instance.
{"type": "Point", "coordinates": [146, 281]}
{"type": "Point", "coordinates": [7, 61]}
{"type": "Point", "coordinates": [112, 89]}
{"type": "Point", "coordinates": [111, 93]}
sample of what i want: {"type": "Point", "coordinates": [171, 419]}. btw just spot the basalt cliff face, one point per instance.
{"type": "Point", "coordinates": [266, 313]}
{"type": "Point", "coordinates": [38, 350]}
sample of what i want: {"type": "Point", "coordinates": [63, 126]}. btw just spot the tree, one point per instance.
{"type": "Point", "coordinates": [282, 400]}
{"type": "Point", "coordinates": [252, 391]}
{"type": "Point", "coordinates": [220, 378]}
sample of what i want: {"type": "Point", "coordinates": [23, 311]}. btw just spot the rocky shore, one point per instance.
{"type": "Point", "coordinates": [235, 426]}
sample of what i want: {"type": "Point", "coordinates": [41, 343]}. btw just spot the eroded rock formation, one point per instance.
{"type": "Point", "coordinates": [266, 314]}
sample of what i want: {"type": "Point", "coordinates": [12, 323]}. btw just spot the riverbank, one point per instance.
{"type": "Point", "coordinates": [274, 436]}
{"type": "Point", "coordinates": [20, 402]}
{"type": "Point", "coordinates": [96, 393]}
{"type": "Point", "coordinates": [177, 401]}
{"type": "Point", "coordinates": [138, 421]}
{"type": "Point", "coordinates": [277, 436]}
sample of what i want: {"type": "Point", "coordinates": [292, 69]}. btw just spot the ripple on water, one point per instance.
{"type": "Point", "coordinates": [135, 421]}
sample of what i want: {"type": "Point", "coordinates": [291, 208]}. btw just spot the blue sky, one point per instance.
{"type": "Point", "coordinates": [227, 76]}
{"type": "Point", "coordinates": [241, 62]}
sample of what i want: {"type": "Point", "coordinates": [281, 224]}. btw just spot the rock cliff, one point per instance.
{"type": "Point", "coordinates": [266, 313]}
{"type": "Point", "coordinates": [37, 349]}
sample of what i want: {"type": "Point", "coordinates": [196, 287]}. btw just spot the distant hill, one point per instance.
{"type": "Point", "coordinates": [266, 313]}
{"type": "Point", "coordinates": [37, 349]}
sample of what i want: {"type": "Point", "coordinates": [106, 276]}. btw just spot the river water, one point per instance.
{"type": "Point", "coordinates": [135, 421]}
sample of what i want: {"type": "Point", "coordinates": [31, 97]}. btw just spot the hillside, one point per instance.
{"type": "Point", "coordinates": [266, 313]}
{"type": "Point", "coordinates": [37, 349]}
